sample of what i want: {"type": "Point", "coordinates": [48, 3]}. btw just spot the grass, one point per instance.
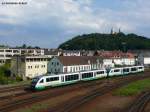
{"type": "Point", "coordinates": [133, 88]}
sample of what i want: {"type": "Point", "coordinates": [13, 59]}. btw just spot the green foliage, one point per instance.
{"type": "Point", "coordinates": [133, 88]}
{"type": "Point", "coordinates": [96, 41]}
{"type": "Point", "coordinates": [24, 46]}
{"type": "Point", "coordinates": [5, 74]}
{"type": "Point", "coordinates": [18, 78]}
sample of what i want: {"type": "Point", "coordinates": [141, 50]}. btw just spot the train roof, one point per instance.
{"type": "Point", "coordinates": [83, 71]}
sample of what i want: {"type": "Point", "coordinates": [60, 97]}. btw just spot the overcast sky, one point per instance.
{"type": "Point", "coordinates": [47, 23]}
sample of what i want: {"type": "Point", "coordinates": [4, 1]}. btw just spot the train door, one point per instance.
{"type": "Point", "coordinates": [62, 79]}
{"type": "Point", "coordinates": [94, 74]}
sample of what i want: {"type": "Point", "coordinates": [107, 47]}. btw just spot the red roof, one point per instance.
{"type": "Point", "coordinates": [79, 60]}
{"type": "Point", "coordinates": [115, 54]}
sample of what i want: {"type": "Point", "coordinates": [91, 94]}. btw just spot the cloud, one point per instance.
{"type": "Point", "coordinates": [58, 20]}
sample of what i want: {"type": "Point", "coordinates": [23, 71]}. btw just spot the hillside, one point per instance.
{"type": "Point", "coordinates": [97, 41]}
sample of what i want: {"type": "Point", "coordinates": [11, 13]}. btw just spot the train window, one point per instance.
{"type": "Point", "coordinates": [100, 72]}
{"type": "Point", "coordinates": [133, 69]}
{"type": "Point", "coordinates": [87, 75]}
{"type": "Point", "coordinates": [126, 70]}
{"type": "Point", "coordinates": [42, 81]}
{"type": "Point", "coordinates": [52, 79]}
{"type": "Point", "coordinates": [47, 79]}
{"type": "Point", "coordinates": [140, 67]}
{"type": "Point", "coordinates": [35, 80]}
{"type": "Point", "coordinates": [117, 70]}
{"type": "Point", "coordinates": [72, 77]}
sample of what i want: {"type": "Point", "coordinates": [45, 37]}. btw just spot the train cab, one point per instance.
{"type": "Point", "coordinates": [37, 82]}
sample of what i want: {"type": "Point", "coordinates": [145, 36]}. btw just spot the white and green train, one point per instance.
{"type": "Point", "coordinates": [45, 81]}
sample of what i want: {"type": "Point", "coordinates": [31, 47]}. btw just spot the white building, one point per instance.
{"type": "Point", "coordinates": [7, 53]}
{"type": "Point", "coordinates": [144, 58]}
{"type": "Point", "coordinates": [69, 53]}
{"type": "Point", "coordinates": [29, 66]}
{"type": "Point", "coordinates": [124, 61]}
{"type": "Point", "coordinates": [108, 63]}
{"type": "Point", "coordinates": [117, 57]}
{"type": "Point", "coordinates": [66, 64]}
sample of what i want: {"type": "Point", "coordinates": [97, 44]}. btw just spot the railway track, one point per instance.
{"type": "Point", "coordinates": [140, 104]}
{"type": "Point", "coordinates": [8, 92]}
{"type": "Point", "coordinates": [13, 88]}
{"type": "Point", "coordinates": [14, 104]}
{"type": "Point", "coordinates": [11, 105]}
{"type": "Point", "coordinates": [80, 100]}
{"type": "Point", "coordinates": [30, 91]}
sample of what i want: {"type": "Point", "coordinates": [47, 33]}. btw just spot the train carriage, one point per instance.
{"type": "Point", "coordinates": [134, 69]}
{"type": "Point", "coordinates": [125, 70]}
{"type": "Point", "coordinates": [100, 73]}
{"type": "Point", "coordinates": [140, 68]}
{"type": "Point", "coordinates": [87, 75]}
{"type": "Point", "coordinates": [115, 71]}
{"type": "Point", "coordinates": [71, 78]}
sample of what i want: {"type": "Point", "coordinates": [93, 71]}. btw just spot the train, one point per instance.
{"type": "Point", "coordinates": [49, 80]}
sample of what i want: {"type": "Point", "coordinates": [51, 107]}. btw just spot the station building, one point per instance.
{"type": "Point", "coordinates": [29, 66]}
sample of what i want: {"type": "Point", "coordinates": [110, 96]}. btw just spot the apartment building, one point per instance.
{"type": "Point", "coordinates": [8, 53]}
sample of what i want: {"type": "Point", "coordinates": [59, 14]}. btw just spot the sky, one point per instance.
{"type": "Point", "coordinates": [48, 23]}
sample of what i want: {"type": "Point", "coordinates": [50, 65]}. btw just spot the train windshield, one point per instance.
{"type": "Point", "coordinates": [35, 80]}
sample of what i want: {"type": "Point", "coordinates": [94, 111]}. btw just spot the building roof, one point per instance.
{"type": "Point", "coordinates": [115, 54]}
{"type": "Point", "coordinates": [79, 60]}
{"type": "Point", "coordinates": [144, 53]}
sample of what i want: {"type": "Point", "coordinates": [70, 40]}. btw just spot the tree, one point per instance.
{"type": "Point", "coordinates": [97, 41]}
{"type": "Point", "coordinates": [24, 46]}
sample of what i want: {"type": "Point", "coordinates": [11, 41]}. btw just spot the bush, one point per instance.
{"type": "Point", "coordinates": [18, 78]}
{"type": "Point", "coordinates": [3, 80]}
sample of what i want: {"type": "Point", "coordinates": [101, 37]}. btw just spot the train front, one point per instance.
{"type": "Point", "coordinates": [34, 82]}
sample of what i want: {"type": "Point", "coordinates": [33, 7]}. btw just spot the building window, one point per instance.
{"type": "Point", "coordinates": [74, 69]}
{"type": "Point", "coordinates": [65, 69]}
{"type": "Point", "coordinates": [70, 69]}
{"type": "Point", "coordinates": [29, 67]}
{"type": "Point", "coordinates": [57, 63]}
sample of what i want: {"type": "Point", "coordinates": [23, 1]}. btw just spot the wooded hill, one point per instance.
{"type": "Point", "coordinates": [97, 41]}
